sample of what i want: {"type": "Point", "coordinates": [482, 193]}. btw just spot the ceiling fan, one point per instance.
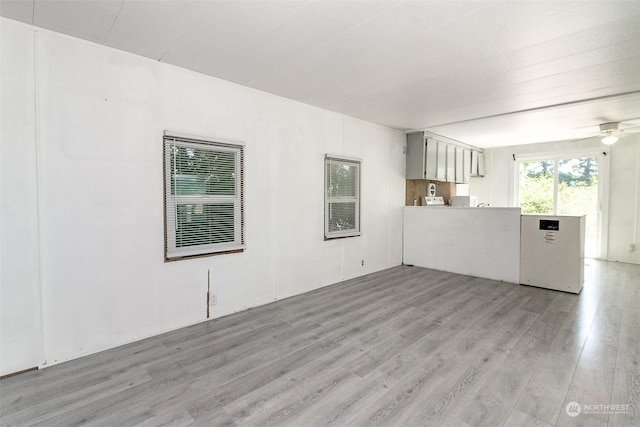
{"type": "Point", "coordinates": [610, 132]}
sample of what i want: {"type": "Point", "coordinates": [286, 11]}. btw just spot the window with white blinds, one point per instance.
{"type": "Point", "coordinates": [342, 197]}
{"type": "Point", "coordinates": [204, 201]}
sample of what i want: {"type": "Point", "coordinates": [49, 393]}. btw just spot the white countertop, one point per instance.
{"type": "Point", "coordinates": [462, 207]}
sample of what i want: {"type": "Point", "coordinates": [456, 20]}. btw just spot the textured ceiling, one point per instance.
{"type": "Point", "coordinates": [487, 73]}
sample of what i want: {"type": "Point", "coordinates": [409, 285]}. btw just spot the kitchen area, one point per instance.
{"type": "Point", "coordinates": [445, 230]}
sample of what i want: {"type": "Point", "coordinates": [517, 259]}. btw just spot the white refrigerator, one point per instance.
{"type": "Point", "coordinates": [552, 252]}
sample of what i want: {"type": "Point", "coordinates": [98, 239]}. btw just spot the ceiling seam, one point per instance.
{"type": "Point", "coordinates": [114, 22]}
{"type": "Point", "coordinates": [541, 108]}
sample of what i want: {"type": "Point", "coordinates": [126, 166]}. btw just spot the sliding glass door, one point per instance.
{"type": "Point", "coordinates": [564, 186]}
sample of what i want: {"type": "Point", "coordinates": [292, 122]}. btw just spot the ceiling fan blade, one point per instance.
{"type": "Point", "coordinates": [575, 141]}
{"type": "Point", "coordinates": [630, 123]}
{"type": "Point", "coordinates": [630, 129]}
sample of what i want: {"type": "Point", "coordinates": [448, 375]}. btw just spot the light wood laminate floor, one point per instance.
{"type": "Point", "coordinates": [403, 347]}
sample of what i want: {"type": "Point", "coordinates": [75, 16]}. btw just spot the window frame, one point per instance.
{"type": "Point", "coordinates": [357, 230]}
{"type": "Point", "coordinates": [173, 201]}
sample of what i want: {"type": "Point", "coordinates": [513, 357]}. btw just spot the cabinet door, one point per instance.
{"type": "Point", "coordinates": [474, 163]}
{"type": "Point", "coordinates": [415, 156]}
{"type": "Point", "coordinates": [466, 166]}
{"type": "Point", "coordinates": [477, 163]}
{"type": "Point", "coordinates": [451, 163]}
{"type": "Point", "coordinates": [431, 160]}
{"type": "Point", "coordinates": [441, 164]}
{"type": "Point", "coordinates": [459, 165]}
{"type": "Point", "coordinates": [480, 164]}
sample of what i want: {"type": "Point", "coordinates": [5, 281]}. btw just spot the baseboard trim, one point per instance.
{"type": "Point", "coordinates": [13, 374]}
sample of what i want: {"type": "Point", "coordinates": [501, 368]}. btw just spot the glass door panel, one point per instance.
{"type": "Point", "coordinates": [578, 195]}
{"type": "Point", "coordinates": [563, 187]}
{"type": "Point", "coordinates": [537, 187]}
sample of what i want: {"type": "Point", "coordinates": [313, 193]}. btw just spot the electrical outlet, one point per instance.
{"type": "Point", "coordinates": [213, 299]}
{"type": "Point", "coordinates": [632, 247]}
{"type": "Point", "coordinates": [363, 262]}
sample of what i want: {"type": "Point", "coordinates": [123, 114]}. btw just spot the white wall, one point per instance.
{"type": "Point", "coordinates": [624, 200]}
{"type": "Point", "coordinates": [623, 227]}
{"type": "Point", "coordinates": [480, 242]}
{"type": "Point", "coordinates": [20, 336]}
{"type": "Point", "coordinates": [82, 221]}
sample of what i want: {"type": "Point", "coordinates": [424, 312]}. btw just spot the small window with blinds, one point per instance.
{"type": "Point", "coordinates": [342, 197]}
{"type": "Point", "coordinates": [204, 201]}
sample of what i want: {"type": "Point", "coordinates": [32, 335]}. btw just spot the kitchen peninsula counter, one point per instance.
{"type": "Point", "coordinates": [482, 242]}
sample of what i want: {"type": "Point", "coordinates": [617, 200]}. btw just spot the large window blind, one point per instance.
{"type": "Point", "coordinates": [342, 197]}
{"type": "Point", "coordinates": [204, 201]}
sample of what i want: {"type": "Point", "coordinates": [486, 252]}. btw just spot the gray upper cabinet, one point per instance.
{"type": "Point", "coordinates": [431, 161]}
{"type": "Point", "coordinates": [477, 163]}
{"type": "Point", "coordinates": [451, 163]}
{"type": "Point", "coordinates": [435, 160]}
{"type": "Point", "coordinates": [460, 175]}
{"type": "Point", "coordinates": [416, 155]}
{"type": "Point", "coordinates": [480, 164]}
{"type": "Point", "coordinates": [422, 157]}
{"type": "Point", "coordinates": [441, 163]}
{"type": "Point", "coordinates": [466, 166]}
